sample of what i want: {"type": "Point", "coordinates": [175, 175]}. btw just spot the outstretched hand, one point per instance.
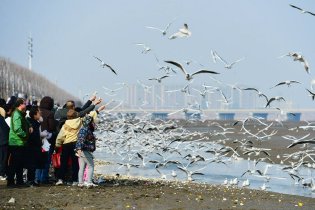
{"type": "Point", "coordinates": [101, 108]}
{"type": "Point", "coordinates": [93, 97]}
{"type": "Point", "coordinates": [97, 101]}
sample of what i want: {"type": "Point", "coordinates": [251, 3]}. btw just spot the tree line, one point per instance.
{"type": "Point", "coordinates": [15, 79]}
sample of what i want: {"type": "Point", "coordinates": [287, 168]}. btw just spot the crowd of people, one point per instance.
{"type": "Point", "coordinates": [34, 132]}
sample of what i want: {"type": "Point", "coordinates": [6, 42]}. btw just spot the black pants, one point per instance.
{"type": "Point", "coordinates": [15, 165]}
{"type": "Point", "coordinates": [33, 157]}
{"type": "Point", "coordinates": [66, 153]}
{"type": "Point", "coordinates": [3, 159]}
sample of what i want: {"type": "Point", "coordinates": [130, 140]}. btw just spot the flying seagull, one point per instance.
{"type": "Point", "coordinates": [103, 64]}
{"type": "Point", "coordinates": [190, 76]}
{"type": "Point", "coordinates": [260, 94]}
{"type": "Point", "coordinates": [183, 32]}
{"type": "Point", "coordinates": [159, 79]}
{"type": "Point", "coordinates": [311, 94]}
{"type": "Point", "coordinates": [302, 10]}
{"type": "Point", "coordinates": [277, 98]}
{"type": "Point", "coordinates": [227, 65]}
{"type": "Point", "coordinates": [287, 82]}
{"type": "Point", "coordinates": [298, 57]}
{"type": "Point", "coordinates": [164, 31]}
{"type": "Point", "coordinates": [306, 141]}
{"type": "Point", "coordinates": [146, 49]}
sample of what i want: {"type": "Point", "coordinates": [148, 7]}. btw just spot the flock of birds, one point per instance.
{"type": "Point", "coordinates": [171, 147]}
{"type": "Point", "coordinates": [171, 68]}
{"type": "Point", "coordinates": [176, 147]}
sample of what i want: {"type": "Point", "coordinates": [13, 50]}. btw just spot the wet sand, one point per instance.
{"type": "Point", "coordinates": [133, 194]}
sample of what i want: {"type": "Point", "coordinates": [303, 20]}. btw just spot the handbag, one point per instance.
{"type": "Point", "coordinates": [55, 159]}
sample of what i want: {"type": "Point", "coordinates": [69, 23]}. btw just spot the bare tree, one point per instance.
{"type": "Point", "coordinates": [16, 79]}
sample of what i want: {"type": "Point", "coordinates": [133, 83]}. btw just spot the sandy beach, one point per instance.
{"type": "Point", "coordinates": [135, 194]}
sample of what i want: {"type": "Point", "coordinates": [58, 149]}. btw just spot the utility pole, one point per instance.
{"type": "Point", "coordinates": [30, 51]}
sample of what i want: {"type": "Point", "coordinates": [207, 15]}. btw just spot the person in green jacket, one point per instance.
{"type": "Point", "coordinates": [20, 130]}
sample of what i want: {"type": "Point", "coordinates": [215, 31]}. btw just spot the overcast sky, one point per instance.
{"type": "Point", "coordinates": [68, 33]}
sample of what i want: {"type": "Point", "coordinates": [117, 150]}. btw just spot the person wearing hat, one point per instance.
{"type": "Point", "coordinates": [67, 138]}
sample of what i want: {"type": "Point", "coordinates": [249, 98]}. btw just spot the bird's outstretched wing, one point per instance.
{"type": "Point", "coordinates": [294, 81]}
{"type": "Point", "coordinates": [306, 66]}
{"type": "Point", "coordinates": [237, 61]}
{"type": "Point", "coordinates": [269, 102]}
{"type": "Point", "coordinates": [168, 25]}
{"type": "Point", "coordinates": [296, 7]}
{"type": "Point", "coordinates": [245, 173]}
{"type": "Point", "coordinates": [178, 65]}
{"type": "Point", "coordinates": [98, 59]}
{"type": "Point", "coordinates": [220, 58]}
{"type": "Point", "coordinates": [140, 156]}
{"type": "Point", "coordinates": [153, 79]}
{"type": "Point", "coordinates": [280, 83]}
{"type": "Point", "coordinates": [310, 13]}
{"type": "Point", "coordinates": [294, 143]}
{"type": "Point", "coordinates": [183, 169]}
{"type": "Point", "coordinates": [311, 94]}
{"type": "Point", "coordinates": [259, 172]}
{"type": "Point", "coordinates": [214, 57]}
{"type": "Point", "coordinates": [108, 66]}
{"type": "Point", "coordinates": [163, 77]}
{"type": "Point", "coordinates": [263, 95]}
{"type": "Point", "coordinates": [197, 173]}
{"type": "Point", "coordinates": [151, 27]}
{"type": "Point", "coordinates": [302, 10]}
{"type": "Point", "coordinates": [251, 89]}
{"type": "Point", "coordinates": [204, 71]}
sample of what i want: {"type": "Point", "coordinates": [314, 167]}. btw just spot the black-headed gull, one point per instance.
{"type": "Point", "coordinates": [227, 65]}
{"type": "Point", "coordinates": [183, 32]}
{"type": "Point", "coordinates": [164, 31]}
{"type": "Point", "coordinates": [302, 10]}
{"type": "Point", "coordinates": [287, 82]}
{"type": "Point", "coordinates": [103, 65]}
{"type": "Point", "coordinates": [190, 76]}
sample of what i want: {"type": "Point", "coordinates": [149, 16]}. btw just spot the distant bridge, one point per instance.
{"type": "Point", "coordinates": [227, 114]}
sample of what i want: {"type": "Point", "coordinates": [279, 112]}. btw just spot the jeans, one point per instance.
{"type": "Point", "coordinates": [86, 160]}
{"type": "Point", "coordinates": [41, 173]}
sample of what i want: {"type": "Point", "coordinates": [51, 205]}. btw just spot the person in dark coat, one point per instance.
{"type": "Point", "coordinates": [49, 124]}
{"type": "Point", "coordinates": [4, 139]}
{"type": "Point", "coordinates": [33, 146]}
